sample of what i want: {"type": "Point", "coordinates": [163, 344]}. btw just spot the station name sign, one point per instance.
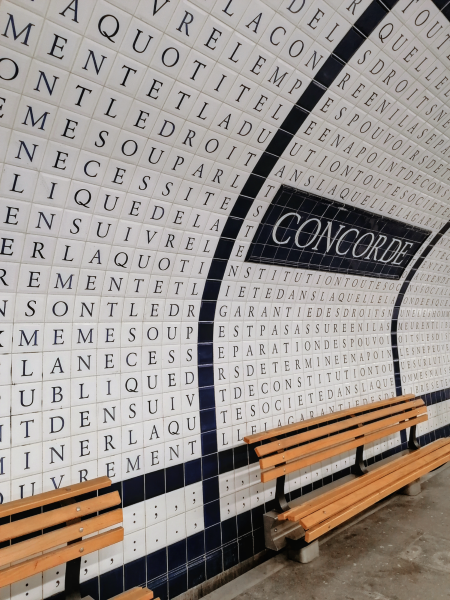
{"type": "Point", "coordinates": [309, 232]}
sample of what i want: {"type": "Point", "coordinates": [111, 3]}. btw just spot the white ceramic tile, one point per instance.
{"type": "Point", "coordinates": [128, 133]}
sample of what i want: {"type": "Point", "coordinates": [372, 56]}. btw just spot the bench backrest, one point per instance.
{"type": "Point", "coordinates": [291, 447]}
{"type": "Point", "coordinates": [71, 530]}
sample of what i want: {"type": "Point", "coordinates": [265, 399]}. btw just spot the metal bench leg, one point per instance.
{"type": "Point", "coordinates": [72, 583]}
{"type": "Point", "coordinates": [360, 467]}
{"type": "Point", "coordinates": [413, 443]}
{"type": "Point", "coordinates": [280, 498]}
{"type": "Point", "coordinates": [414, 488]}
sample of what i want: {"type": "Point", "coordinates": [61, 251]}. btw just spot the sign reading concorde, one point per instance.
{"type": "Point", "coordinates": [309, 232]}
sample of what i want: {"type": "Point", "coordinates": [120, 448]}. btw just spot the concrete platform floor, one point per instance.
{"type": "Point", "coordinates": [401, 552]}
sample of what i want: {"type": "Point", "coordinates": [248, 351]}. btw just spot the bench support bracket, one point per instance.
{"type": "Point", "coordinates": [280, 497]}
{"type": "Point", "coordinates": [413, 443]}
{"type": "Point", "coordinates": [72, 583]}
{"type": "Point", "coordinates": [360, 468]}
{"type": "Point", "coordinates": [276, 533]}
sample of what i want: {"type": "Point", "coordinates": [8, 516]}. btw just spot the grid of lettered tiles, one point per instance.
{"type": "Point", "coordinates": [144, 144]}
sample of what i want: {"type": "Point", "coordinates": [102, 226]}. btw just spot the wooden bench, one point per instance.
{"type": "Point", "coordinates": [54, 537]}
{"type": "Point", "coordinates": [287, 449]}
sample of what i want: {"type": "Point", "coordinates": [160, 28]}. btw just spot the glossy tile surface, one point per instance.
{"type": "Point", "coordinates": [153, 308]}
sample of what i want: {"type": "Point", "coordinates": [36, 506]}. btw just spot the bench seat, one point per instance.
{"type": "Point", "coordinates": [323, 513]}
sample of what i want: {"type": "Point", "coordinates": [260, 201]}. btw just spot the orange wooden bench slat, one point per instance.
{"type": "Point", "coordinates": [78, 489]}
{"type": "Point", "coordinates": [402, 471]}
{"type": "Point", "coordinates": [146, 594]}
{"type": "Point", "coordinates": [136, 593]}
{"type": "Point", "coordinates": [274, 473]}
{"type": "Point", "coordinates": [58, 516]}
{"type": "Point", "coordinates": [60, 536]}
{"type": "Point", "coordinates": [297, 512]}
{"type": "Point", "coordinates": [333, 440]}
{"type": "Point", "coordinates": [60, 556]}
{"type": "Point", "coordinates": [259, 437]}
{"type": "Point", "coordinates": [316, 532]}
{"type": "Point", "coordinates": [334, 427]}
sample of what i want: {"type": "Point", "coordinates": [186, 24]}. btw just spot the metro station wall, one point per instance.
{"type": "Point", "coordinates": [216, 217]}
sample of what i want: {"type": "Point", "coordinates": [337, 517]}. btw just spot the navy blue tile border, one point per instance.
{"type": "Point", "coordinates": [289, 207]}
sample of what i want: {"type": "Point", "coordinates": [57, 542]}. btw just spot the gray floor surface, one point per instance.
{"type": "Point", "coordinates": [401, 552]}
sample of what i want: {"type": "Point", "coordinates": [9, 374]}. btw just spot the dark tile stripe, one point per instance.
{"type": "Point", "coordinates": [398, 303]}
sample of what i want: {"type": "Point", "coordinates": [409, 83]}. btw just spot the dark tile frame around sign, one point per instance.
{"type": "Point", "coordinates": [287, 200]}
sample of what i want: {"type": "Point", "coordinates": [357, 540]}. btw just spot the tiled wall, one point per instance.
{"type": "Point", "coordinates": [216, 217]}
